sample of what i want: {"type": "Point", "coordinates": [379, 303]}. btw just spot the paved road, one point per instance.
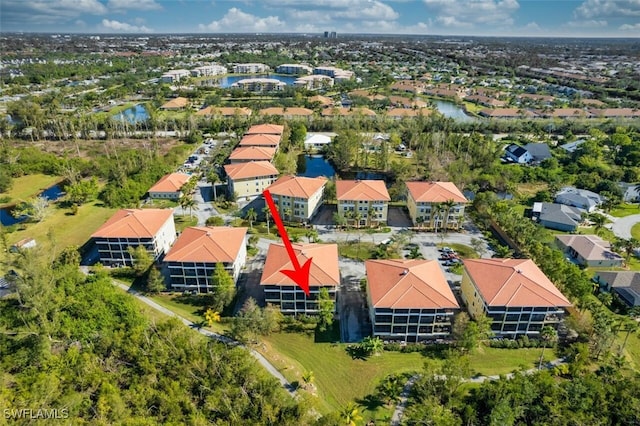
{"type": "Point", "coordinates": [262, 360]}
{"type": "Point", "coordinates": [621, 227]}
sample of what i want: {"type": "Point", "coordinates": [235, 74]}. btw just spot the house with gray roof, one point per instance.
{"type": "Point", "coordinates": [626, 284]}
{"type": "Point", "coordinates": [538, 151]}
{"type": "Point", "coordinates": [581, 198]}
{"type": "Point", "coordinates": [589, 250]}
{"type": "Point", "coordinates": [517, 154]}
{"type": "Point", "coordinates": [557, 216]}
{"type": "Point", "coordinates": [630, 192]}
{"type": "Point", "coordinates": [571, 147]}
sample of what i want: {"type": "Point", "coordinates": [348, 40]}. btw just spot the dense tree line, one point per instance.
{"type": "Point", "coordinates": [76, 342]}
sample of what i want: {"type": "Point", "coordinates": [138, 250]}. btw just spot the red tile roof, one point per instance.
{"type": "Point", "coordinates": [256, 153]}
{"type": "Point", "coordinates": [134, 223]}
{"type": "Point", "coordinates": [324, 266]}
{"type": "Point", "coordinates": [250, 169]}
{"type": "Point", "coordinates": [405, 284]}
{"type": "Point", "coordinates": [513, 283]}
{"type": "Point", "coordinates": [267, 129]}
{"type": "Point", "coordinates": [224, 111]}
{"type": "Point", "coordinates": [177, 103]}
{"type": "Point", "coordinates": [207, 244]}
{"type": "Point", "coordinates": [435, 192]}
{"type": "Point", "coordinates": [260, 140]}
{"type": "Point", "coordinates": [297, 186]}
{"type": "Point", "coordinates": [172, 182]}
{"type": "Point", "coordinates": [362, 190]}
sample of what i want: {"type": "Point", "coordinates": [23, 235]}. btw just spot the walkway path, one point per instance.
{"type": "Point", "coordinates": [261, 359]}
{"type": "Point", "coordinates": [621, 227]}
{"type": "Point", "coordinates": [396, 418]}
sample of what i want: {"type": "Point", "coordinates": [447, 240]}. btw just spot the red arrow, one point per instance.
{"type": "Point", "coordinates": [299, 274]}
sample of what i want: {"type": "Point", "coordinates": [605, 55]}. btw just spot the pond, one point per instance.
{"type": "Point", "coordinates": [226, 81]}
{"type": "Point", "coordinates": [136, 114]}
{"type": "Point", "coordinates": [52, 193]}
{"type": "Point", "coordinates": [451, 110]}
{"type": "Point", "coordinates": [314, 166]}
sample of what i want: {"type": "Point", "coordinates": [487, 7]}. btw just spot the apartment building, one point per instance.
{"type": "Point", "coordinates": [295, 69]}
{"type": "Point", "coordinates": [251, 178]}
{"type": "Point", "coordinates": [250, 68]}
{"type": "Point", "coordinates": [169, 186]}
{"type": "Point", "coordinates": [298, 198]}
{"type": "Point", "coordinates": [436, 205]}
{"type": "Point", "coordinates": [245, 154]}
{"type": "Point", "coordinates": [363, 202]}
{"type": "Point", "coordinates": [259, 85]}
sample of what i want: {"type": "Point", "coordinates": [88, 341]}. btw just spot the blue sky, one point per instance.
{"type": "Point", "coordinates": [582, 18]}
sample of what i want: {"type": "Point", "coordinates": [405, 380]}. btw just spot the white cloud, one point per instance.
{"type": "Point", "coordinates": [370, 10]}
{"type": "Point", "coordinates": [133, 5]}
{"type": "Point", "coordinates": [591, 23]}
{"type": "Point", "coordinates": [469, 13]}
{"type": "Point", "coordinates": [593, 9]}
{"type": "Point", "coordinates": [237, 21]}
{"type": "Point", "coordinates": [630, 27]}
{"type": "Point", "coordinates": [124, 27]}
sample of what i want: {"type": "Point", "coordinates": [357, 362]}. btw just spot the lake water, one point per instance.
{"type": "Point", "coordinates": [226, 81]}
{"type": "Point", "coordinates": [314, 166]}
{"type": "Point", "coordinates": [52, 193]}
{"type": "Point", "coordinates": [136, 114]}
{"type": "Point", "coordinates": [451, 110]}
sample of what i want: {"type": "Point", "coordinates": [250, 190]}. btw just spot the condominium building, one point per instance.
{"type": "Point", "coordinates": [174, 76]}
{"type": "Point", "coordinates": [409, 300]}
{"type": "Point", "coordinates": [260, 84]}
{"type": "Point", "coordinates": [169, 186]}
{"type": "Point", "coordinates": [244, 154]}
{"type": "Point", "coordinates": [436, 205]}
{"type": "Point", "coordinates": [296, 69]}
{"type": "Point", "coordinates": [298, 198]}
{"type": "Point", "coordinates": [261, 140]}
{"type": "Point", "coordinates": [313, 82]}
{"type": "Point", "coordinates": [281, 291]}
{"type": "Point", "coordinates": [154, 229]}
{"type": "Point", "coordinates": [250, 68]}
{"type": "Point", "coordinates": [250, 179]}
{"type": "Point", "coordinates": [364, 202]}
{"type": "Point", "coordinates": [192, 260]}
{"type": "Point", "coordinates": [337, 74]}
{"type": "Point", "coordinates": [208, 70]}
{"type": "Point", "coordinates": [265, 129]}
{"type": "Point", "coordinates": [514, 293]}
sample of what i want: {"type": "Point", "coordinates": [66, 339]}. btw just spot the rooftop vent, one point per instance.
{"type": "Point", "coordinates": [404, 272]}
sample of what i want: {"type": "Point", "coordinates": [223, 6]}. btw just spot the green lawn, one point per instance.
{"type": "Point", "coordinates": [631, 350]}
{"type": "Point", "coordinates": [338, 378]}
{"type": "Point", "coordinates": [464, 251]}
{"type": "Point", "coordinates": [635, 231]}
{"type": "Point", "coordinates": [355, 250]}
{"type": "Point", "coordinates": [185, 310]}
{"type": "Point", "coordinates": [184, 222]}
{"type": "Point", "coordinates": [25, 187]}
{"type": "Point", "coordinates": [625, 210]}
{"type": "Point", "coordinates": [488, 361]}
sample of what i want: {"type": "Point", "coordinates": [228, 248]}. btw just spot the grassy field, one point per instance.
{"type": "Point", "coordinates": [464, 251]}
{"type": "Point", "coordinates": [355, 250]}
{"type": "Point", "coordinates": [625, 210]}
{"type": "Point", "coordinates": [184, 222]}
{"type": "Point", "coordinates": [493, 361]}
{"type": "Point", "coordinates": [635, 231]}
{"type": "Point", "coordinates": [185, 310]}
{"type": "Point", "coordinates": [25, 187]}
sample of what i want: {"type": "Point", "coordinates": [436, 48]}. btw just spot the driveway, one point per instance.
{"type": "Point", "coordinates": [354, 322]}
{"type": "Point", "coordinates": [621, 227]}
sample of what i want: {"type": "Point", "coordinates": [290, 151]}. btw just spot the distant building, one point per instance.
{"type": "Point", "coordinates": [337, 74]}
{"type": "Point", "coordinates": [281, 291]}
{"type": "Point", "coordinates": [265, 129]}
{"type": "Point", "coordinates": [174, 76]}
{"type": "Point", "coordinates": [557, 216]}
{"type": "Point", "coordinates": [175, 104]}
{"type": "Point", "coordinates": [581, 198]}
{"type": "Point", "coordinates": [208, 70]}
{"type": "Point", "coordinates": [571, 147]}
{"type": "Point", "coordinates": [244, 154]}
{"type": "Point", "coordinates": [589, 250]}
{"type": "Point", "coordinates": [539, 151]}
{"type": "Point", "coordinates": [23, 244]}
{"type": "Point", "coordinates": [313, 82]}
{"type": "Point", "coordinates": [409, 300]}
{"type": "Point", "coordinates": [316, 141]}
{"type": "Point", "coordinates": [250, 68]}
{"type": "Point", "coordinates": [514, 293]}
{"type": "Point", "coordinates": [363, 201]}
{"type": "Point", "coordinates": [154, 229]}
{"type": "Point", "coordinates": [630, 192]}
{"type": "Point", "coordinates": [517, 154]}
{"type": "Point", "coordinates": [296, 69]}
{"type": "Point", "coordinates": [169, 186]}
{"type": "Point", "coordinates": [251, 178]}
{"type": "Point", "coordinates": [192, 260]}
{"type": "Point", "coordinates": [301, 196]}
{"type": "Point", "coordinates": [260, 84]}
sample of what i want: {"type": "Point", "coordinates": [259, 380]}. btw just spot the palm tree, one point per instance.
{"type": "Point", "coordinates": [191, 204]}
{"type": "Point", "coordinates": [311, 234]}
{"type": "Point", "coordinates": [251, 215]}
{"type": "Point", "coordinates": [447, 206]}
{"type": "Point", "coordinates": [350, 415]}
{"type": "Point", "coordinates": [356, 218]}
{"type": "Point", "coordinates": [213, 178]}
{"type": "Point", "coordinates": [436, 211]}
{"type": "Point", "coordinates": [287, 213]}
{"type": "Point", "coordinates": [420, 221]}
{"type": "Point", "coordinates": [267, 216]}
{"type": "Point", "coordinates": [547, 334]}
{"type": "Point", "coordinates": [598, 221]}
{"type": "Point", "coordinates": [308, 378]}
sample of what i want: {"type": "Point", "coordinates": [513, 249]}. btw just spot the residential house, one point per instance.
{"type": "Point", "coordinates": [363, 201]}
{"type": "Point", "coordinates": [316, 141]}
{"type": "Point", "coordinates": [539, 151]}
{"type": "Point", "coordinates": [214, 111]}
{"type": "Point", "coordinates": [616, 113]}
{"type": "Point", "coordinates": [409, 300]}
{"type": "Point", "coordinates": [581, 198]}
{"type": "Point", "coordinates": [322, 101]}
{"type": "Point", "coordinates": [245, 154]}
{"type": "Point", "coordinates": [400, 113]}
{"type": "Point", "coordinates": [514, 293]}
{"type": "Point", "coordinates": [517, 154]}
{"type": "Point", "coordinates": [298, 198]}
{"type": "Point", "coordinates": [507, 113]}
{"type": "Point", "coordinates": [23, 244]}
{"type": "Point", "coordinates": [287, 113]}
{"type": "Point", "coordinates": [630, 192]}
{"type": "Point", "coordinates": [365, 112]}
{"type": "Point", "coordinates": [557, 216]}
{"type": "Point", "coordinates": [571, 147]}
{"type": "Point", "coordinates": [261, 140]}
{"type": "Point", "coordinates": [251, 178]}
{"type": "Point", "coordinates": [589, 250]}
{"type": "Point", "coordinates": [195, 254]}
{"type": "Point", "coordinates": [436, 204]}
{"type": "Point", "coordinates": [169, 186]}
{"type": "Point", "coordinates": [283, 292]}
{"type": "Point", "coordinates": [154, 229]}
{"type": "Point", "coordinates": [626, 284]}
{"type": "Point", "coordinates": [265, 129]}
{"type": "Point", "coordinates": [175, 104]}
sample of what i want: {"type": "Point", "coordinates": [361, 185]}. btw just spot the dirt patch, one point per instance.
{"type": "Point", "coordinates": [93, 148]}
